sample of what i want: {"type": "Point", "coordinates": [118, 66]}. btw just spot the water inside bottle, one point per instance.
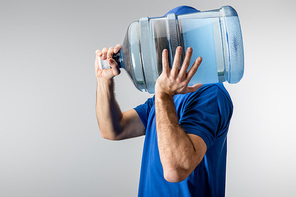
{"type": "Point", "coordinates": [210, 39]}
{"type": "Point", "coordinates": [204, 36]}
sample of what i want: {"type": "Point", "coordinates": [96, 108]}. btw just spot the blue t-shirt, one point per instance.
{"type": "Point", "coordinates": [206, 113]}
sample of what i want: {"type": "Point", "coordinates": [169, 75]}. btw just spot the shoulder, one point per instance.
{"type": "Point", "coordinates": [215, 92]}
{"type": "Point", "coordinates": [212, 90]}
{"type": "Point", "coordinates": [144, 109]}
{"type": "Point", "coordinates": [206, 112]}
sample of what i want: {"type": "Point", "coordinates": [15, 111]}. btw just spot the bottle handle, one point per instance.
{"type": "Point", "coordinates": [103, 64]}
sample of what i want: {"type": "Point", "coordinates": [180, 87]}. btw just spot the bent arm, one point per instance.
{"type": "Point", "coordinates": [114, 124]}
{"type": "Point", "coordinates": [180, 152]}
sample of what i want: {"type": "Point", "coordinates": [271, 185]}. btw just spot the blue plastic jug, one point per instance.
{"type": "Point", "coordinates": [214, 35]}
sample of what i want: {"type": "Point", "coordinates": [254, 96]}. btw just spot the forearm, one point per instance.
{"type": "Point", "coordinates": [109, 114]}
{"type": "Point", "coordinates": [175, 147]}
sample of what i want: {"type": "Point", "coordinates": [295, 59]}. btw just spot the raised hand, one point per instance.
{"type": "Point", "coordinates": [175, 81]}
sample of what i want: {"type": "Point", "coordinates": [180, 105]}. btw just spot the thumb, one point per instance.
{"type": "Point", "coordinates": [194, 87]}
{"type": "Point", "coordinates": [114, 66]}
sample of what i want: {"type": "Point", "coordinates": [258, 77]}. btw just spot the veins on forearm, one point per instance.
{"type": "Point", "coordinates": [175, 146]}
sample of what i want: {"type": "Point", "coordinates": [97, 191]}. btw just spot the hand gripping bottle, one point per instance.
{"type": "Point", "coordinates": [214, 35]}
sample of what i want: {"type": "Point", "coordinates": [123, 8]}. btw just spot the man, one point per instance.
{"type": "Point", "coordinates": [185, 127]}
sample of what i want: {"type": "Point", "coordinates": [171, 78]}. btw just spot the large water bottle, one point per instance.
{"type": "Point", "coordinates": [214, 35]}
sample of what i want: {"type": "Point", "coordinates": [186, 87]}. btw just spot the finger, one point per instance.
{"type": "Point", "coordinates": [110, 52]}
{"type": "Point", "coordinates": [114, 66]}
{"type": "Point", "coordinates": [165, 62]}
{"type": "Point", "coordinates": [104, 53]}
{"type": "Point", "coordinates": [97, 67]}
{"type": "Point", "coordinates": [194, 87]}
{"type": "Point", "coordinates": [98, 52]}
{"type": "Point", "coordinates": [194, 68]}
{"type": "Point", "coordinates": [185, 65]}
{"type": "Point", "coordinates": [176, 64]}
{"type": "Point", "coordinates": [117, 48]}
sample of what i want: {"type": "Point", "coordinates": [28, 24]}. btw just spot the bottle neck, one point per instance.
{"type": "Point", "coordinates": [118, 59]}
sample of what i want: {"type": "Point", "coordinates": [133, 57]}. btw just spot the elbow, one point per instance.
{"type": "Point", "coordinates": [109, 133]}
{"type": "Point", "coordinates": [107, 137]}
{"type": "Point", "coordinates": [174, 175]}
{"type": "Point", "coordinates": [110, 137]}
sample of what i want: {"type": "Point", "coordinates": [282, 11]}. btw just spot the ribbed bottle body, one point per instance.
{"type": "Point", "coordinates": [214, 35]}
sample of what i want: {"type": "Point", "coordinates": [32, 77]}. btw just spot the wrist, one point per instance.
{"type": "Point", "coordinates": [105, 83]}
{"type": "Point", "coordinates": [105, 80]}
{"type": "Point", "coordinates": [163, 97]}
{"type": "Point", "coordinates": [161, 93]}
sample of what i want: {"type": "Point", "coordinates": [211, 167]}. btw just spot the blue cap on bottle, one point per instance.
{"type": "Point", "coordinates": [182, 10]}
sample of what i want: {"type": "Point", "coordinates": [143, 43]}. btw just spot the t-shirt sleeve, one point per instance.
{"type": "Point", "coordinates": [144, 109]}
{"type": "Point", "coordinates": [207, 115]}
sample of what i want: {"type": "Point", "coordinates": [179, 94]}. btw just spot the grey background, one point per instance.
{"type": "Point", "coordinates": [49, 139]}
